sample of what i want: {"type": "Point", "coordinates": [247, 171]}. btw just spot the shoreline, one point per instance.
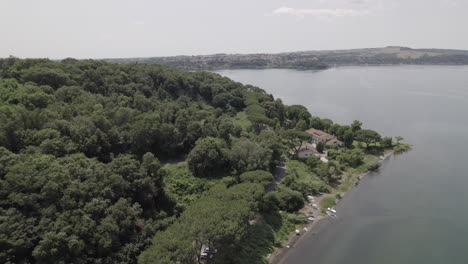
{"type": "Point", "coordinates": [279, 255]}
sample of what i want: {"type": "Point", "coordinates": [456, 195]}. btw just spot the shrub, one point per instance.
{"type": "Point", "coordinates": [352, 158]}
{"type": "Point", "coordinates": [257, 176]}
{"type": "Point", "coordinates": [230, 181]}
{"type": "Point", "coordinates": [374, 166]}
{"type": "Point", "coordinates": [401, 148]}
{"type": "Point", "coordinates": [288, 200]}
{"type": "Point", "coordinates": [312, 162]}
{"type": "Point", "coordinates": [297, 218]}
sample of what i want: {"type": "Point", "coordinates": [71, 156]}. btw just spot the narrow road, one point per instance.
{"type": "Point", "coordinates": [279, 173]}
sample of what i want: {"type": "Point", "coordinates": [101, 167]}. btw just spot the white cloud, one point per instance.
{"type": "Point", "coordinates": [320, 12]}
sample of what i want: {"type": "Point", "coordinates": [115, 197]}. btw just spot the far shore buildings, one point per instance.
{"type": "Point", "coordinates": [321, 136]}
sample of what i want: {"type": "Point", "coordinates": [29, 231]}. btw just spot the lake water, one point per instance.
{"type": "Point", "coordinates": [415, 209]}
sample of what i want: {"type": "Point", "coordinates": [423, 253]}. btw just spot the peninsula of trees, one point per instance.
{"type": "Point", "coordinates": [125, 163]}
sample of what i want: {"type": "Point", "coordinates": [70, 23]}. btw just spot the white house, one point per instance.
{"type": "Point", "coordinates": [305, 152]}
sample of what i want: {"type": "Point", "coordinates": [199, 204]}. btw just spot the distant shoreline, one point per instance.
{"type": "Point", "coordinates": [309, 60]}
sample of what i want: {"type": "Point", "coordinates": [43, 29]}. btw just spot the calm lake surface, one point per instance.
{"type": "Point", "coordinates": [415, 209]}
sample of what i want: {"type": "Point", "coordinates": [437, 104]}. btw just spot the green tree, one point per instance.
{"type": "Point", "coordinates": [288, 199]}
{"type": "Point", "coordinates": [207, 158]}
{"type": "Point", "coordinates": [356, 126]}
{"type": "Point", "coordinates": [386, 142]}
{"type": "Point", "coordinates": [320, 147]}
{"type": "Point", "coordinates": [348, 138]}
{"type": "Point", "coordinates": [294, 138]}
{"type": "Point", "coordinates": [368, 136]}
{"type": "Point", "coordinates": [226, 128]}
{"type": "Point", "coordinates": [269, 139]}
{"type": "Point", "coordinates": [246, 155]}
{"type": "Point", "coordinates": [398, 139]}
{"type": "Point", "coordinates": [301, 125]}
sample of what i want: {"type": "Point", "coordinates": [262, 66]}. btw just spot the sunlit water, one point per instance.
{"type": "Point", "coordinates": [415, 209]}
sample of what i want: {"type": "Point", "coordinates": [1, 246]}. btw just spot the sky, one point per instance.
{"type": "Point", "coordinates": [145, 28]}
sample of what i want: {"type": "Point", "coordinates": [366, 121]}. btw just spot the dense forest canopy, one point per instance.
{"type": "Point", "coordinates": [87, 172]}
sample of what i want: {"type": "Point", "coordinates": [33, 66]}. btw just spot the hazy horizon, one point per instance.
{"type": "Point", "coordinates": [121, 28]}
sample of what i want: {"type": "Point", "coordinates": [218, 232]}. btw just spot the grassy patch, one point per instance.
{"type": "Point", "coordinates": [327, 202]}
{"type": "Point", "coordinates": [371, 163]}
{"type": "Point", "coordinates": [284, 223]}
{"type": "Point", "coordinates": [350, 178]}
{"type": "Point", "coordinates": [182, 186]}
{"type": "Point", "coordinates": [370, 159]}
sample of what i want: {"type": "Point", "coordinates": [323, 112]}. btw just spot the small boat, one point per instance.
{"type": "Point", "coordinates": [331, 214]}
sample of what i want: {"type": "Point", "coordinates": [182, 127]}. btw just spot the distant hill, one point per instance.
{"type": "Point", "coordinates": [311, 60]}
{"type": "Point", "coordinates": [391, 55]}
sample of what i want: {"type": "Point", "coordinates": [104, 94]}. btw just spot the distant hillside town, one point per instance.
{"type": "Point", "coordinates": [310, 60]}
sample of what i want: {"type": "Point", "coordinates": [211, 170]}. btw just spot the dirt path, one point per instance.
{"type": "Point", "coordinates": [278, 174]}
